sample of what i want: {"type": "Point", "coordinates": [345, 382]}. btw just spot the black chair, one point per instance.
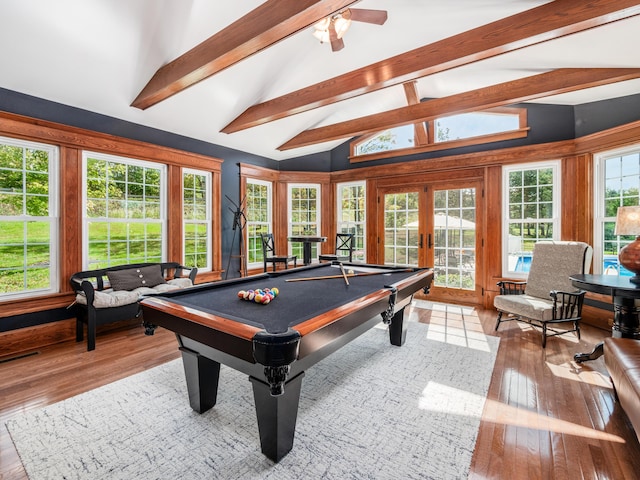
{"type": "Point", "coordinates": [345, 243]}
{"type": "Point", "coordinates": [269, 254]}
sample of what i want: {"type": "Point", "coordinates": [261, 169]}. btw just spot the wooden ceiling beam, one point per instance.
{"type": "Point", "coordinates": [271, 22]}
{"type": "Point", "coordinates": [413, 98]}
{"type": "Point", "coordinates": [537, 86]}
{"type": "Point", "coordinates": [546, 22]}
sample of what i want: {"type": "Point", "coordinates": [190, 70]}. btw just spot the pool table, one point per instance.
{"type": "Point", "coordinates": [274, 344]}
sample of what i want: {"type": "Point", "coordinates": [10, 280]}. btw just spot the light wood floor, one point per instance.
{"type": "Point", "coordinates": [545, 417]}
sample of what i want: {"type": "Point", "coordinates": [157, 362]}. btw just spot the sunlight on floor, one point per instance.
{"type": "Point", "coordinates": [498, 412]}
{"type": "Point", "coordinates": [437, 397]}
{"type": "Point", "coordinates": [453, 324]}
{"type": "Point", "coordinates": [569, 371]}
{"type": "Point", "coordinates": [444, 399]}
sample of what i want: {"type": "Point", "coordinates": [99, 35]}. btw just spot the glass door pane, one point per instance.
{"type": "Point", "coordinates": [401, 228]}
{"type": "Point", "coordinates": [454, 226]}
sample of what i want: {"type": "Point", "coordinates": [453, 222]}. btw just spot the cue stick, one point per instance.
{"type": "Point", "coordinates": [344, 274]}
{"type": "Point", "coordinates": [348, 275]}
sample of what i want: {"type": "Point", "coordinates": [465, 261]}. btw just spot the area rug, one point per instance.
{"type": "Point", "coordinates": [368, 411]}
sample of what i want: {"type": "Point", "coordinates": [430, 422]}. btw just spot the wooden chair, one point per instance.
{"type": "Point", "coordinates": [269, 254]}
{"type": "Point", "coordinates": [345, 243]}
{"type": "Point", "coordinates": [547, 299]}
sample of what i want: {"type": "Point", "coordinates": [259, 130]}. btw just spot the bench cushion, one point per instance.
{"type": "Point", "coordinates": [116, 298]}
{"type": "Point", "coordinates": [133, 278]}
{"type": "Point", "coordinates": [109, 298]}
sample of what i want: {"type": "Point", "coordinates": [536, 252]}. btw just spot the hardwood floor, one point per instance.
{"type": "Point", "coordinates": [545, 416]}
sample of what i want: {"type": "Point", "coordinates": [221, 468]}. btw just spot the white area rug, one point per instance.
{"type": "Point", "coordinates": [369, 411]}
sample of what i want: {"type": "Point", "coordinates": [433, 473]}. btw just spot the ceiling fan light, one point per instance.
{"type": "Point", "coordinates": [322, 25]}
{"type": "Point", "coordinates": [342, 24]}
{"type": "Point", "coordinates": [322, 35]}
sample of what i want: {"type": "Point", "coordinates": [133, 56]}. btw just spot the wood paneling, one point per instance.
{"type": "Point", "coordinates": [546, 22]}
{"type": "Point", "coordinates": [175, 209]}
{"type": "Point", "coordinates": [492, 234]}
{"type": "Point", "coordinates": [70, 234]}
{"type": "Point", "coordinates": [577, 198]}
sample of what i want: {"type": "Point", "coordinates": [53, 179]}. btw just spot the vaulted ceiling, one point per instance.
{"type": "Point", "coordinates": [250, 75]}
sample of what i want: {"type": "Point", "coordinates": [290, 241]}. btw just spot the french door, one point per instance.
{"type": "Point", "coordinates": [434, 225]}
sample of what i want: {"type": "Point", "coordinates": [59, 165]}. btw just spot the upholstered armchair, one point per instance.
{"type": "Point", "coordinates": [547, 299]}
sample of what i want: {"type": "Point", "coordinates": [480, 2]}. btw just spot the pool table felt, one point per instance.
{"type": "Point", "coordinates": [295, 303]}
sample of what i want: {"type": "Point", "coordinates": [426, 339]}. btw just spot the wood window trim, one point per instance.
{"type": "Point", "coordinates": [432, 146]}
{"type": "Point", "coordinates": [72, 141]}
{"type": "Point", "coordinates": [496, 137]}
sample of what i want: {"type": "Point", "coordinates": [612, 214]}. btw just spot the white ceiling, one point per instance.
{"type": "Point", "coordinates": [99, 54]}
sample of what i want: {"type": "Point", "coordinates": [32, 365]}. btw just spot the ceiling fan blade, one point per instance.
{"type": "Point", "coordinates": [336, 43]}
{"type": "Point", "coordinates": [369, 16]}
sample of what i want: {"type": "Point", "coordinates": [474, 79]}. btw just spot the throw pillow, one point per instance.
{"type": "Point", "coordinates": [133, 278]}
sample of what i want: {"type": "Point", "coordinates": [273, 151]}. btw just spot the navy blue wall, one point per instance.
{"type": "Point", "coordinates": [597, 116]}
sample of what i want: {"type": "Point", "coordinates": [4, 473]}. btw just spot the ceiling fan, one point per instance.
{"type": "Point", "coordinates": [332, 28]}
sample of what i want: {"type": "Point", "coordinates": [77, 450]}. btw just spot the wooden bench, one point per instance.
{"type": "Point", "coordinates": [113, 294]}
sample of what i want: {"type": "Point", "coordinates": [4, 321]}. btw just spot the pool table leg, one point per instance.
{"type": "Point", "coordinates": [277, 416]}
{"type": "Point", "coordinates": [398, 328]}
{"type": "Point", "coordinates": [202, 376]}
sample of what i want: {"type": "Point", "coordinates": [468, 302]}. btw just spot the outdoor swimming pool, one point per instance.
{"type": "Point", "coordinates": [610, 265]}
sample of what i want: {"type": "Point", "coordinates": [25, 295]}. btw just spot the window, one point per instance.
{"type": "Point", "coordinates": [475, 124]}
{"type": "Point", "coordinates": [617, 184]}
{"type": "Point", "coordinates": [473, 128]}
{"type": "Point", "coordinates": [532, 212]}
{"type": "Point", "coordinates": [28, 218]}
{"type": "Point", "coordinates": [196, 198]}
{"type": "Point", "coordinates": [124, 211]}
{"type": "Point", "coordinates": [352, 215]}
{"type": "Point", "coordinates": [304, 215]}
{"type": "Point", "coordinates": [391, 139]}
{"type": "Point", "coordinates": [258, 213]}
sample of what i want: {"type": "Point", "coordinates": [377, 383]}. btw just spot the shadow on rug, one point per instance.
{"type": "Point", "coordinates": [370, 410]}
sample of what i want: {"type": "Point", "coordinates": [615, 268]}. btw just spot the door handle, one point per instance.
{"type": "Point", "coordinates": [430, 242]}
{"type": "Point", "coordinates": [421, 236]}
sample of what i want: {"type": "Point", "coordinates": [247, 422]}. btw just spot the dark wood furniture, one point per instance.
{"type": "Point", "coordinates": [274, 344]}
{"type": "Point", "coordinates": [307, 241]}
{"type": "Point", "coordinates": [89, 282]}
{"type": "Point", "coordinates": [269, 253]}
{"type": "Point", "coordinates": [345, 243]}
{"type": "Point", "coordinates": [624, 294]}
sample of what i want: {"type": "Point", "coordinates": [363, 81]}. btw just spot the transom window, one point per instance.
{"type": "Point", "coordinates": [617, 184]}
{"type": "Point", "coordinates": [352, 215]}
{"type": "Point", "coordinates": [28, 218]}
{"type": "Point", "coordinates": [531, 212]}
{"type": "Point", "coordinates": [124, 218]}
{"type": "Point", "coordinates": [475, 124]}
{"type": "Point", "coordinates": [473, 128]}
{"type": "Point", "coordinates": [391, 139]}
{"type": "Point", "coordinates": [196, 200]}
{"type": "Point", "coordinates": [258, 213]}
